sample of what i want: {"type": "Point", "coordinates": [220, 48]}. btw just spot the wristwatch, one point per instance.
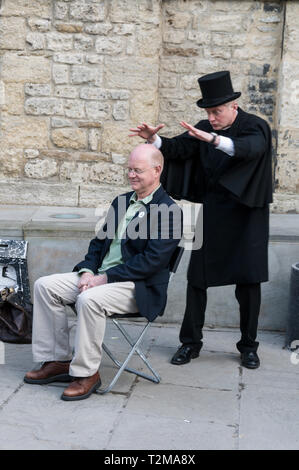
{"type": "Point", "coordinates": [214, 137]}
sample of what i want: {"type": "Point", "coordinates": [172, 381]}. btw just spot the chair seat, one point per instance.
{"type": "Point", "coordinates": [126, 315]}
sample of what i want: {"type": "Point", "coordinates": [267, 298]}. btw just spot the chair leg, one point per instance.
{"type": "Point", "coordinates": [123, 365]}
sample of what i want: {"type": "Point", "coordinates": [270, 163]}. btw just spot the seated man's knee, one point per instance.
{"type": "Point", "coordinates": [86, 300]}
{"type": "Point", "coordinates": [41, 282]}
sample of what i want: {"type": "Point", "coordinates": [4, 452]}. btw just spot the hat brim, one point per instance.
{"type": "Point", "coordinates": [210, 103]}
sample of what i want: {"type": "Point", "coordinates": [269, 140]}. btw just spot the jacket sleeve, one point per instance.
{"type": "Point", "coordinates": [182, 147]}
{"type": "Point", "coordinates": [95, 249]}
{"type": "Point", "coordinates": [91, 260]}
{"type": "Point", "coordinates": [153, 259]}
{"type": "Point", "coordinates": [252, 143]}
{"type": "Point", "coordinates": [249, 178]}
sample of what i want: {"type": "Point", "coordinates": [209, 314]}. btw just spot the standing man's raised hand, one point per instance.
{"type": "Point", "coordinates": [146, 132]}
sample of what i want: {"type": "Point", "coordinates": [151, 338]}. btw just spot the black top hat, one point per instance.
{"type": "Point", "coordinates": [216, 89]}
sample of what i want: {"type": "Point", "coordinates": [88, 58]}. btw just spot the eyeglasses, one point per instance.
{"type": "Point", "coordinates": [137, 171]}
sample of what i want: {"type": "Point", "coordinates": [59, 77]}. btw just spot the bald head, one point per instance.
{"type": "Point", "coordinates": [145, 166]}
{"type": "Point", "coordinates": [148, 153]}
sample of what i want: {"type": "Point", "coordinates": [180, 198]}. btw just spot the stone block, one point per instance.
{"type": "Point", "coordinates": [119, 94]}
{"type": "Point", "coordinates": [56, 154]}
{"type": "Point", "coordinates": [69, 138]}
{"type": "Point", "coordinates": [31, 153]}
{"type": "Point", "coordinates": [179, 20]}
{"type": "Point", "coordinates": [148, 48]}
{"type": "Point", "coordinates": [168, 80]}
{"type": "Point", "coordinates": [44, 106]}
{"type": "Point", "coordinates": [83, 74]}
{"type": "Point", "coordinates": [94, 93]}
{"type": "Point", "coordinates": [13, 98]}
{"type": "Point", "coordinates": [17, 68]}
{"type": "Point", "coordinates": [60, 10]}
{"type": "Point", "coordinates": [69, 28]}
{"type": "Point", "coordinates": [27, 8]}
{"type": "Point", "coordinates": [115, 139]}
{"type": "Point", "coordinates": [176, 37]}
{"type": "Point", "coordinates": [107, 173]}
{"type": "Point", "coordinates": [89, 124]}
{"type": "Point", "coordinates": [85, 10]}
{"type": "Point", "coordinates": [59, 41]}
{"type": "Point", "coordinates": [61, 122]}
{"type": "Point", "coordinates": [83, 43]}
{"type": "Point", "coordinates": [39, 24]}
{"type": "Point", "coordinates": [12, 33]}
{"type": "Point", "coordinates": [24, 131]}
{"type": "Point", "coordinates": [135, 75]}
{"type": "Point", "coordinates": [124, 29]}
{"type": "Point", "coordinates": [36, 41]}
{"type": "Point", "coordinates": [119, 159]}
{"type": "Point", "coordinates": [177, 65]}
{"type": "Point", "coordinates": [93, 139]}
{"type": "Point", "coordinates": [38, 192]}
{"type": "Point", "coordinates": [95, 195]}
{"type": "Point", "coordinates": [122, 11]}
{"type": "Point", "coordinates": [120, 111]}
{"type": "Point", "coordinates": [101, 29]}
{"type": "Point", "coordinates": [69, 58]}
{"type": "Point", "coordinates": [144, 107]}
{"type": "Point", "coordinates": [60, 73]}
{"type": "Point", "coordinates": [38, 89]}
{"type": "Point", "coordinates": [92, 157]}
{"type": "Point", "coordinates": [40, 169]}
{"type": "Point", "coordinates": [76, 172]}
{"type": "Point", "coordinates": [66, 91]}
{"type": "Point", "coordinates": [97, 109]}
{"type": "Point", "coordinates": [74, 108]}
{"type": "Point", "coordinates": [107, 45]}
{"type": "Point", "coordinates": [94, 58]}
{"type": "Point", "coordinates": [11, 160]}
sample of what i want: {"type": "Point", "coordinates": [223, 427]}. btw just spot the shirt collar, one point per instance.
{"type": "Point", "coordinates": [145, 200]}
{"type": "Point", "coordinates": [225, 128]}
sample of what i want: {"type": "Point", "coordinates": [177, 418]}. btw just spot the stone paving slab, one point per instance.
{"type": "Point", "coordinates": [210, 404]}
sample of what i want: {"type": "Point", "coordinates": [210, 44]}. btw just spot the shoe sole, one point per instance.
{"type": "Point", "coordinates": [251, 367]}
{"type": "Point", "coordinates": [55, 378]}
{"type": "Point", "coordinates": [85, 395]}
{"type": "Point", "coordinates": [194, 355]}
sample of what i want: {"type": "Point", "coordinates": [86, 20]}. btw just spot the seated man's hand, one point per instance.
{"type": "Point", "coordinates": [83, 281]}
{"type": "Point", "coordinates": [89, 280]}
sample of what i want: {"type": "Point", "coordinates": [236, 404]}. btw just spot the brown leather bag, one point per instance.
{"type": "Point", "coordinates": [15, 318]}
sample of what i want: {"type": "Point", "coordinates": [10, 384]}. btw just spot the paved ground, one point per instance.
{"type": "Point", "coordinates": [211, 403]}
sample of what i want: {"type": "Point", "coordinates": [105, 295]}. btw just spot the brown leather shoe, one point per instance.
{"type": "Point", "coordinates": [52, 371]}
{"type": "Point", "coordinates": [81, 387]}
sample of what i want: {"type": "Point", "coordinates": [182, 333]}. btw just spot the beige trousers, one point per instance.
{"type": "Point", "coordinates": [50, 336]}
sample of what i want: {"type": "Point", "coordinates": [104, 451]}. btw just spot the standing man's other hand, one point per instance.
{"type": "Point", "coordinates": [197, 133]}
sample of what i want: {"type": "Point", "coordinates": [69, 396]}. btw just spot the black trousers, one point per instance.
{"type": "Point", "coordinates": [249, 298]}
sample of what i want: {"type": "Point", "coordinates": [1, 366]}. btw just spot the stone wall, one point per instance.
{"type": "Point", "coordinates": [76, 74]}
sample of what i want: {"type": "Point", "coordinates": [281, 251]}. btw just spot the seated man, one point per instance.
{"type": "Point", "coordinates": [124, 271]}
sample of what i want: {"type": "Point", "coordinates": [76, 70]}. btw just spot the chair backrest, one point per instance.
{"type": "Point", "coordinates": [176, 258]}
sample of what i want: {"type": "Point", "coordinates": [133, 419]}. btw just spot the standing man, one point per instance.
{"type": "Point", "coordinates": [224, 162]}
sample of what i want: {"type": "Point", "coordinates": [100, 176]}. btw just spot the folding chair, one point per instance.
{"type": "Point", "coordinates": [116, 318]}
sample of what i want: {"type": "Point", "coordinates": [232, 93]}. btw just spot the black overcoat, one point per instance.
{"type": "Point", "coordinates": [235, 193]}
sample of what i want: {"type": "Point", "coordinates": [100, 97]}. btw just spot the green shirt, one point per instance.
{"type": "Point", "coordinates": [114, 257]}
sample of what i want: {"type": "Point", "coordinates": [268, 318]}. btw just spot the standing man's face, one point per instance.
{"type": "Point", "coordinates": [222, 116]}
